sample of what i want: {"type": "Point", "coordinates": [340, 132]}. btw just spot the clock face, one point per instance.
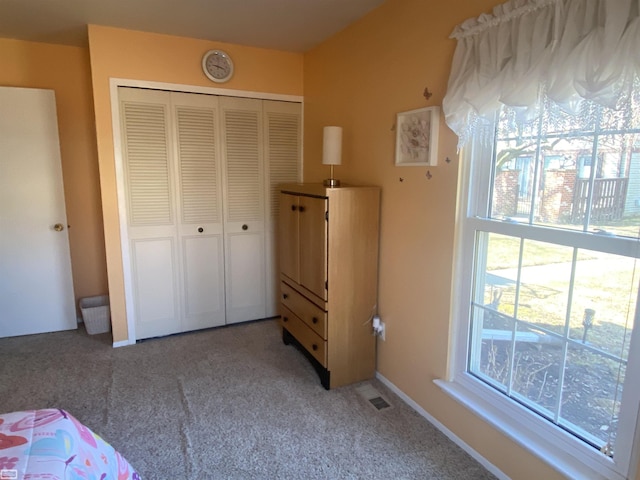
{"type": "Point", "coordinates": [217, 65]}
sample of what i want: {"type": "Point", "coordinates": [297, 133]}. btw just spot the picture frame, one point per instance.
{"type": "Point", "coordinates": [417, 137]}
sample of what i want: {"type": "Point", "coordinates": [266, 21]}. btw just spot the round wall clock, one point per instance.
{"type": "Point", "coordinates": [217, 65]}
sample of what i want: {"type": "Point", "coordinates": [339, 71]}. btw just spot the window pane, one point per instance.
{"type": "Point", "coordinates": [565, 161]}
{"type": "Point", "coordinates": [591, 394]}
{"type": "Point", "coordinates": [536, 371]}
{"type": "Point", "coordinates": [491, 353]}
{"type": "Point", "coordinates": [604, 301]}
{"type": "Point", "coordinates": [544, 285]}
{"type": "Point", "coordinates": [615, 201]}
{"type": "Point", "coordinates": [500, 272]}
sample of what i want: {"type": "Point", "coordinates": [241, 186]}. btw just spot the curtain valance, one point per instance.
{"type": "Point", "coordinates": [526, 51]}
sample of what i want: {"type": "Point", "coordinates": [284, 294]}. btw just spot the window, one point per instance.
{"type": "Point", "coordinates": [552, 274]}
{"type": "Point", "coordinates": [545, 100]}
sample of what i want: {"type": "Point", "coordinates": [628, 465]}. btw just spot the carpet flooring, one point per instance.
{"type": "Point", "coordinates": [225, 403]}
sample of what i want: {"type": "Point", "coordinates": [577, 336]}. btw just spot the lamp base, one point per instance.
{"type": "Point", "coordinates": [331, 182]}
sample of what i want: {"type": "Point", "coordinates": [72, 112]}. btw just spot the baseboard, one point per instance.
{"type": "Point", "coordinates": [452, 436]}
{"type": "Point", "coordinates": [122, 343]}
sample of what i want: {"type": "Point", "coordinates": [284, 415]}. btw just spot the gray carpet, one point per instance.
{"type": "Point", "coordinates": [227, 403]}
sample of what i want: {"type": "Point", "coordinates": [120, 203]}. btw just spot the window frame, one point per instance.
{"type": "Point", "coordinates": [562, 450]}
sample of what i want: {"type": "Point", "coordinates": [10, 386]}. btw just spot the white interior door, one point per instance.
{"type": "Point", "coordinates": [36, 289]}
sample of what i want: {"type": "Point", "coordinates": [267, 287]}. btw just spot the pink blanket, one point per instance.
{"type": "Point", "coordinates": [51, 444]}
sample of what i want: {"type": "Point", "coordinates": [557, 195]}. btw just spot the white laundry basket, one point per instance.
{"type": "Point", "coordinates": [96, 314]}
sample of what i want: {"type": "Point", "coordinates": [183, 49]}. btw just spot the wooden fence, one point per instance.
{"type": "Point", "coordinates": [609, 195]}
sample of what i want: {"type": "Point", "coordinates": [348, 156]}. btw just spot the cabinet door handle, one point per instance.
{"type": "Point", "coordinates": [293, 208]}
{"type": "Point", "coordinates": [314, 320]}
{"type": "Point", "coordinates": [285, 319]}
{"type": "Point", "coordinates": [314, 347]}
{"type": "Point", "coordinates": [285, 296]}
{"type": "Point", "coordinates": [301, 208]}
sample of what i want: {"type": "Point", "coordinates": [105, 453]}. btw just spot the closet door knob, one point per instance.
{"type": "Point", "coordinates": [314, 320]}
{"type": "Point", "coordinates": [314, 347]}
{"type": "Point", "coordinates": [301, 208]}
{"type": "Point", "coordinates": [200, 229]}
{"type": "Point", "coordinates": [245, 227]}
{"type": "Point", "coordinates": [293, 208]}
{"type": "Point", "coordinates": [285, 296]}
{"type": "Point", "coordinates": [285, 319]}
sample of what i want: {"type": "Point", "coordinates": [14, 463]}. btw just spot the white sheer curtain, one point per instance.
{"type": "Point", "coordinates": [528, 51]}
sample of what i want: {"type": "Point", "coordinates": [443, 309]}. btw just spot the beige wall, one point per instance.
{"type": "Point", "coordinates": [360, 79]}
{"type": "Point", "coordinates": [66, 71]}
{"type": "Point", "coordinates": [134, 55]}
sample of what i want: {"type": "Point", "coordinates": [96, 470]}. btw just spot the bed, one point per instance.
{"type": "Point", "coordinates": [51, 444]}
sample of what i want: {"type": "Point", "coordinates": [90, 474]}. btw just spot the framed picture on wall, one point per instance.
{"type": "Point", "coordinates": [417, 137]}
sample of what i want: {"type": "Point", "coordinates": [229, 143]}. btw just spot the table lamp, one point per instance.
{"type": "Point", "coordinates": [332, 152]}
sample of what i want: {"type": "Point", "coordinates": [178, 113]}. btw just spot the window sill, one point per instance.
{"type": "Point", "coordinates": [559, 450]}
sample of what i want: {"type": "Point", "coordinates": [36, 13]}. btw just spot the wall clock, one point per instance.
{"type": "Point", "coordinates": [217, 65]}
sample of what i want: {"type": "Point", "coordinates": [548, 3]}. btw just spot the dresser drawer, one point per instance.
{"type": "Point", "coordinates": [308, 312]}
{"type": "Point", "coordinates": [311, 341]}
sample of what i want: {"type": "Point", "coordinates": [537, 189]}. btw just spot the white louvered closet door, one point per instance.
{"type": "Point", "coordinates": [244, 222]}
{"type": "Point", "coordinates": [200, 225]}
{"type": "Point", "coordinates": [282, 125]}
{"type": "Point", "coordinates": [148, 172]}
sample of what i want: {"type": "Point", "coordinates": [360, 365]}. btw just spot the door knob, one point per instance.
{"type": "Point", "coordinates": [245, 227]}
{"type": "Point", "coordinates": [200, 229]}
{"type": "Point", "coordinates": [58, 227]}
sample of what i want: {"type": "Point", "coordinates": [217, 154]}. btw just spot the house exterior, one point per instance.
{"type": "Point", "coordinates": [359, 79]}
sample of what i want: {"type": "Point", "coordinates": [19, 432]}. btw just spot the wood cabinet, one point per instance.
{"type": "Point", "coordinates": [329, 277]}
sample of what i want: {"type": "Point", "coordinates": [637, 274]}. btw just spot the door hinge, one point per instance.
{"type": "Point", "coordinates": [326, 285]}
{"type": "Point", "coordinates": [326, 216]}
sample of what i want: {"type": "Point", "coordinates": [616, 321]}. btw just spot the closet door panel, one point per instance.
{"type": "Point", "coordinates": [244, 208]}
{"type": "Point", "coordinates": [245, 278]}
{"type": "Point", "coordinates": [154, 270]}
{"type": "Point", "coordinates": [203, 262]}
{"type": "Point", "coordinates": [148, 172]}
{"type": "Point", "coordinates": [197, 155]}
{"type": "Point", "coordinates": [283, 160]}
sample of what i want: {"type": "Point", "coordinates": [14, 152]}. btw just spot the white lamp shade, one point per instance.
{"type": "Point", "coordinates": [332, 146]}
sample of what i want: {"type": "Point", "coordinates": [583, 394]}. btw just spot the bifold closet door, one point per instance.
{"type": "Point", "coordinates": [201, 175]}
{"type": "Point", "coordinates": [172, 171]}
{"type": "Point", "coordinates": [282, 123]}
{"type": "Point", "coordinates": [244, 222]}
{"type": "Point", "coordinates": [200, 225]}
{"type": "Point", "coordinates": [151, 217]}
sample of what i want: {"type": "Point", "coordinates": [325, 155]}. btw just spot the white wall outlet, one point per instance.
{"type": "Point", "coordinates": [378, 327]}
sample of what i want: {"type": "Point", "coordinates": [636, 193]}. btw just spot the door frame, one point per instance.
{"type": "Point", "coordinates": [114, 84]}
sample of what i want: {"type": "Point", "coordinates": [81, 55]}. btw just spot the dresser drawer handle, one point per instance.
{"type": "Point", "coordinates": [285, 296]}
{"type": "Point", "coordinates": [314, 347]}
{"type": "Point", "coordinates": [285, 319]}
{"type": "Point", "coordinates": [314, 320]}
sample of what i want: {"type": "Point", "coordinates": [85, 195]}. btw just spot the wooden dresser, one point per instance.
{"type": "Point", "coordinates": [328, 246]}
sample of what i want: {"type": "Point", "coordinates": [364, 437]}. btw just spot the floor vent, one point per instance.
{"type": "Point", "coordinates": [379, 403]}
{"type": "Point", "coordinates": [373, 397]}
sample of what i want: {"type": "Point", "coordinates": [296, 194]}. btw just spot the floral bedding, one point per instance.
{"type": "Point", "coordinates": [51, 444]}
